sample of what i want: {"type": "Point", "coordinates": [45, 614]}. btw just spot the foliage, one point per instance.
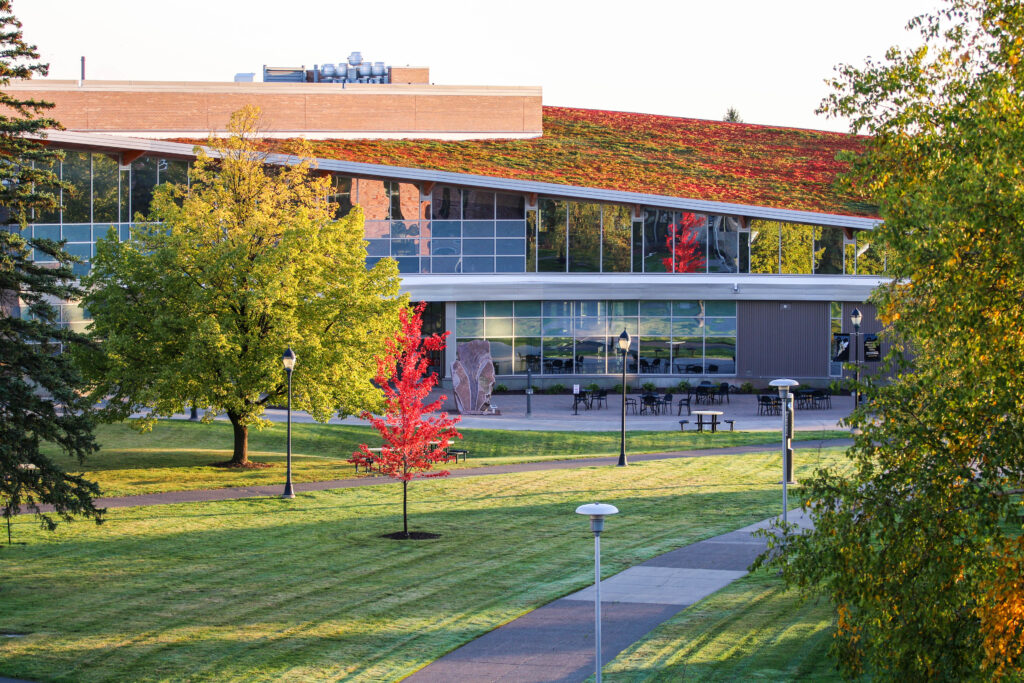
{"type": "Point", "coordinates": [593, 386]}
{"type": "Point", "coordinates": [746, 388]}
{"type": "Point", "coordinates": [751, 164]}
{"type": "Point", "coordinates": [500, 389]}
{"type": "Point", "coordinates": [649, 386]}
{"type": "Point", "coordinates": [413, 444]}
{"type": "Point", "coordinates": [732, 115]}
{"type": "Point", "coordinates": [198, 305]}
{"type": "Point", "coordinates": [913, 549]}
{"type": "Point", "coordinates": [557, 388]}
{"type": "Point", "coordinates": [683, 242]}
{"type": "Point", "coordinates": [39, 386]}
{"type": "Point", "coordinates": [683, 386]}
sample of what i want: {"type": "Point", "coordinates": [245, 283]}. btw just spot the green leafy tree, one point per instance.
{"type": "Point", "coordinates": [38, 385]}
{"type": "Point", "coordinates": [918, 543]}
{"type": "Point", "coordinates": [197, 306]}
{"type": "Point", "coordinates": [732, 115]}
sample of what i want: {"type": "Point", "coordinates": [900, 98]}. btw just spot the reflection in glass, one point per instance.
{"type": "Point", "coordinates": [446, 203]}
{"type": "Point", "coordinates": [104, 189]}
{"type": "Point", "coordinates": [502, 353]}
{"type": "Point", "coordinates": [616, 246]}
{"type": "Point", "coordinates": [527, 327]}
{"type": "Point", "coordinates": [720, 355]}
{"type": "Point", "coordinates": [341, 194]}
{"type": "Point", "coordinates": [657, 246]}
{"type": "Point", "coordinates": [687, 238]}
{"type": "Point", "coordinates": [723, 244]}
{"type": "Point", "coordinates": [374, 198]}
{"type": "Point", "coordinates": [590, 354]}
{"type": "Point", "coordinates": [405, 201]}
{"type": "Point", "coordinates": [655, 355]}
{"type": "Point", "coordinates": [469, 309]}
{"type": "Point", "coordinates": [764, 247]}
{"type": "Point", "coordinates": [510, 206]}
{"type": "Point", "coordinates": [531, 242]}
{"type": "Point", "coordinates": [558, 355]}
{"type": "Point", "coordinates": [144, 179]}
{"type": "Point", "coordinates": [551, 237]}
{"type": "Point", "coordinates": [477, 205]}
{"type": "Point", "coordinates": [498, 327]}
{"type": "Point", "coordinates": [719, 308]}
{"type": "Point", "coordinates": [870, 259]}
{"type": "Point", "coordinates": [172, 171]}
{"type": "Point", "coordinates": [688, 355]}
{"type": "Point", "coordinates": [527, 354]}
{"type": "Point", "coordinates": [797, 248]}
{"type": "Point", "coordinates": [615, 355]}
{"type": "Point", "coordinates": [584, 237]}
{"type": "Point", "coordinates": [828, 250]}
{"type": "Point", "coordinates": [77, 170]}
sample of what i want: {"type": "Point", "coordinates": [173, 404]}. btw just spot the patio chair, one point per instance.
{"type": "Point", "coordinates": [684, 401]}
{"type": "Point", "coordinates": [723, 391]}
{"type": "Point", "coordinates": [822, 398]}
{"type": "Point", "coordinates": [665, 404]}
{"type": "Point", "coordinates": [600, 397]}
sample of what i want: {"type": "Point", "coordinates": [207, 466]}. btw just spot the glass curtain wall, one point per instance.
{"type": "Point", "coordinates": [580, 337]}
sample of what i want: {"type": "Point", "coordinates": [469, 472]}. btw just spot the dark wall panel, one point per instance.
{"type": "Point", "coordinates": [782, 339]}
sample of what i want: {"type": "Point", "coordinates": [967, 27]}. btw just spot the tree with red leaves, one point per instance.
{"type": "Point", "coordinates": [683, 243]}
{"type": "Point", "coordinates": [413, 444]}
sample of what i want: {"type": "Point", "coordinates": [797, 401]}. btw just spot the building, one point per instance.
{"type": "Point", "coordinates": [725, 249]}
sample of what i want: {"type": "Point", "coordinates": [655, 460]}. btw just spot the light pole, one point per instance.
{"type": "Point", "coordinates": [624, 347]}
{"type": "Point", "coordinates": [529, 387]}
{"type": "Point", "coordinates": [597, 512]}
{"type": "Point", "coordinates": [787, 442]}
{"type": "Point", "coordinates": [288, 360]}
{"type": "Point", "coordinates": [855, 318]}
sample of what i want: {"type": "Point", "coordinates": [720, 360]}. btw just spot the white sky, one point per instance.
{"type": "Point", "coordinates": [767, 58]}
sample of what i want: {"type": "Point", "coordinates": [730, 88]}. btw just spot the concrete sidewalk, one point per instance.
{"type": "Point", "coordinates": [556, 642]}
{"type": "Point", "coordinates": [555, 413]}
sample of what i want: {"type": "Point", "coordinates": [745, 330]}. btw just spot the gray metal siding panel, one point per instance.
{"type": "Point", "coordinates": [782, 339]}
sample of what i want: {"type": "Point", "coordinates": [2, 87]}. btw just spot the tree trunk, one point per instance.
{"type": "Point", "coordinates": [240, 456]}
{"type": "Point", "coordinates": [405, 514]}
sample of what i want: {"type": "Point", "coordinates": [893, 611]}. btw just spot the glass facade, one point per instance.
{"type": "Point", "coordinates": [580, 337]}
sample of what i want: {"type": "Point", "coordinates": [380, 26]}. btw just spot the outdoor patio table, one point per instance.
{"type": "Point", "coordinates": [702, 419]}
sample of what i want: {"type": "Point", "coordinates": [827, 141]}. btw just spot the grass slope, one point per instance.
{"type": "Point", "coordinates": [177, 455]}
{"type": "Point", "coordinates": [752, 630]}
{"type": "Point", "coordinates": [307, 590]}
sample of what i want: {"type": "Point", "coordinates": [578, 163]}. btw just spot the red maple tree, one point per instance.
{"type": "Point", "coordinates": [413, 444]}
{"type": "Point", "coordinates": [687, 249]}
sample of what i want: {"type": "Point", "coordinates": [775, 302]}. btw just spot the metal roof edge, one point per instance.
{"type": "Point", "coordinates": [491, 182]}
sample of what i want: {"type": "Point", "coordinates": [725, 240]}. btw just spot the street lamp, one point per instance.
{"type": "Point", "coordinates": [855, 318]}
{"type": "Point", "coordinates": [624, 347]}
{"type": "Point", "coordinates": [597, 512]}
{"type": "Point", "coordinates": [784, 386]}
{"type": "Point", "coordinates": [288, 360]}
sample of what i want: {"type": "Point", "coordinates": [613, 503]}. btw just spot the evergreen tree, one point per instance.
{"type": "Point", "coordinates": [39, 386]}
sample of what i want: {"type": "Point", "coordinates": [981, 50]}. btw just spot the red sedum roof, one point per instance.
{"type": "Point", "coordinates": [741, 163]}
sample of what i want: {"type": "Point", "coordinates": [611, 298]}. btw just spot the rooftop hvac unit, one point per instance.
{"type": "Point", "coordinates": [284, 74]}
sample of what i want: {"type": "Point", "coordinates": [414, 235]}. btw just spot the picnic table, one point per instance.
{"type": "Point", "coordinates": [709, 418]}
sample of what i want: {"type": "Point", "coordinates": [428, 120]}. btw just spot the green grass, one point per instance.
{"type": "Point", "coordinates": [177, 455]}
{"type": "Point", "coordinates": [307, 590]}
{"type": "Point", "coordinates": [752, 630]}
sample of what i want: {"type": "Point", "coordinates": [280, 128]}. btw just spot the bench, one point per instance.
{"type": "Point", "coordinates": [455, 454]}
{"type": "Point", "coordinates": [682, 425]}
{"type": "Point", "coordinates": [731, 423]}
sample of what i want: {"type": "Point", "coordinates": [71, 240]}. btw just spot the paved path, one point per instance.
{"type": "Point", "coordinates": [555, 642]}
{"type": "Point", "coordinates": [234, 493]}
{"type": "Point", "coordinates": [555, 413]}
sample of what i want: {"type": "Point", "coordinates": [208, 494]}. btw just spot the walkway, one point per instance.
{"type": "Point", "coordinates": [554, 413]}
{"type": "Point", "coordinates": [240, 492]}
{"type": "Point", "coordinates": [556, 642]}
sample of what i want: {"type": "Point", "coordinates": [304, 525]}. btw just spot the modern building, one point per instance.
{"type": "Point", "coordinates": [727, 250]}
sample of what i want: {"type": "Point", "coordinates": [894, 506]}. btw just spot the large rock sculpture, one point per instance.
{"type": "Point", "coordinates": [473, 377]}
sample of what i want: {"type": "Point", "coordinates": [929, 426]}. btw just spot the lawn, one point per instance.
{"type": "Point", "coordinates": [307, 590]}
{"type": "Point", "coordinates": [752, 630]}
{"type": "Point", "coordinates": [177, 455]}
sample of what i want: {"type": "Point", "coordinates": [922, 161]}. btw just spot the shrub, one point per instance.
{"type": "Point", "coordinates": [556, 388]}
{"type": "Point", "coordinates": [683, 386]}
{"type": "Point", "coordinates": [648, 386]}
{"type": "Point", "coordinates": [499, 389]}
{"type": "Point", "coordinates": [593, 386]}
{"type": "Point", "coordinates": [746, 388]}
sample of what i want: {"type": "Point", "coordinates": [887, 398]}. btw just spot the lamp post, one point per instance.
{"type": "Point", "coordinates": [624, 347]}
{"type": "Point", "coordinates": [855, 318]}
{"type": "Point", "coordinates": [529, 387]}
{"type": "Point", "coordinates": [787, 439]}
{"type": "Point", "coordinates": [288, 360]}
{"type": "Point", "coordinates": [597, 512]}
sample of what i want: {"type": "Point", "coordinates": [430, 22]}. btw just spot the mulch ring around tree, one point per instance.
{"type": "Point", "coordinates": [250, 465]}
{"type": "Point", "coordinates": [411, 536]}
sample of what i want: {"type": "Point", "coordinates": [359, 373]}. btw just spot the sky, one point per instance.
{"type": "Point", "coordinates": [767, 58]}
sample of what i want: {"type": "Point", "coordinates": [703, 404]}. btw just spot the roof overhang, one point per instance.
{"type": "Point", "coordinates": [115, 143]}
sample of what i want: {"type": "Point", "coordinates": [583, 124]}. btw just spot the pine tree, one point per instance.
{"type": "Point", "coordinates": [39, 386]}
